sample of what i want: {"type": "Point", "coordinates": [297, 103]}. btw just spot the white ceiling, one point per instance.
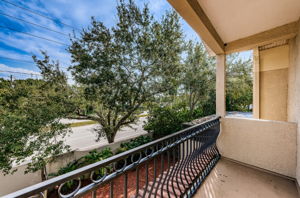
{"type": "Point", "coordinates": [235, 19]}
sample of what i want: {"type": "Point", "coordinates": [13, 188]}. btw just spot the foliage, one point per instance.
{"type": "Point", "coordinates": [141, 140]}
{"type": "Point", "coordinates": [66, 169]}
{"type": "Point", "coordinates": [82, 106]}
{"type": "Point", "coordinates": [92, 157]}
{"type": "Point", "coordinates": [95, 156]}
{"type": "Point", "coordinates": [196, 95]}
{"type": "Point", "coordinates": [194, 98]}
{"type": "Point", "coordinates": [198, 76]}
{"type": "Point", "coordinates": [30, 111]}
{"type": "Point", "coordinates": [123, 67]}
{"type": "Point", "coordinates": [164, 120]}
{"type": "Point", "coordinates": [239, 84]}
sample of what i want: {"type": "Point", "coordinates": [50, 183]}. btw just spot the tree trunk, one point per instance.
{"type": "Point", "coordinates": [44, 177]}
{"type": "Point", "coordinates": [110, 139]}
{"type": "Point", "coordinates": [44, 173]}
{"type": "Point", "coordinates": [191, 106]}
{"type": "Point", "coordinates": [111, 136]}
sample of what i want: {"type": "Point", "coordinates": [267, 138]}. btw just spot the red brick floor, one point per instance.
{"type": "Point", "coordinates": [168, 182]}
{"type": "Point", "coordinates": [158, 186]}
{"type": "Point", "coordinates": [118, 183]}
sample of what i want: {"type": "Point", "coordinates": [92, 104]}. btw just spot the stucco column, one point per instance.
{"type": "Point", "coordinates": [220, 85]}
{"type": "Point", "coordinates": [256, 83]}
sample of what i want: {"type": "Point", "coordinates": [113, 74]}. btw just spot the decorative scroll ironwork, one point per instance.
{"type": "Point", "coordinates": [173, 166]}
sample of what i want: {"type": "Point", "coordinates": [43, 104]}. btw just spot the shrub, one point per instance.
{"type": "Point", "coordinates": [165, 120]}
{"type": "Point", "coordinates": [134, 143]}
{"type": "Point", "coordinates": [92, 157]}
{"type": "Point", "coordinates": [95, 156]}
{"type": "Point", "coordinates": [68, 168]}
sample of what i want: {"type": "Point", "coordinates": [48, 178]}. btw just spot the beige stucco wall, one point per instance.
{"type": "Point", "coordinates": [274, 63]}
{"type": "Point", "coordinates": [220, 85]}
{"type": "Point", "coordinates": [294, 93]}
{"type": "Point", "coordinates": [291, 102]}
{"type": "Point", "coordinates": [269, 145]}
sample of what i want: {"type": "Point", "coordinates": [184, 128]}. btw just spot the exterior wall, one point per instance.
{"type": "Point", "coordinates": [274, 64]}
{"type": "Point", "coordinates": [294, 105]}
{"type": "Point", "coordinates": [256, 83]}
{"type": "Point", "coordinates": [220, 85]}
{"type": "Point", "coordinates": [269, 145]}
{"type": "Point", "coordinates": [291, 103]}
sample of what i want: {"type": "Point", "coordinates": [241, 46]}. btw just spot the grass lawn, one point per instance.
{"type": "Point", "coordinates": [78, 124]}
{"type": "Point", "coordinates": [84, 123]}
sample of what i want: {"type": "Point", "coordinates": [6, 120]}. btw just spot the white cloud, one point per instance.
{"type": "Point", "coordinates": [76, 13]}
{"type": "Point", "coordinates": [14, 55]}
{"type": "Point", "coordinates": [5, 68]}
{"type": "Point", "coordinates": [33, 46]}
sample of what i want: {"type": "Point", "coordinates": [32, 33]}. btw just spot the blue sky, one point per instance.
{"type": "Point", "coordinates": [75, 13]}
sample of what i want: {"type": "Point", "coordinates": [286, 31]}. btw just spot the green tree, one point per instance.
{"type": "Point", "coordinates": [239, 83]}
{"type": "Point", "coordinates": [198, 76]}
{"type": "Point", "coordinates": [30, 111]}
{"type": "Point", "coordinates": [166, 119]}
{"type": "Point", "coordinates": [126, 66]}
{"type": "Point", "coordinates": [194, 97]}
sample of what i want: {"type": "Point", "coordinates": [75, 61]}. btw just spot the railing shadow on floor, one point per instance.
{"type": "Point", "coordinates": [172, 166]}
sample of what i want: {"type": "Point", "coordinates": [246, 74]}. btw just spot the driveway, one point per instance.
{"type": "Point", "coordinates": [84, 137]}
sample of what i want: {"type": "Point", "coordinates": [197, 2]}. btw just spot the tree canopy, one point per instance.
{"type": "Point", "coordinates": [30, 111]}
{"type": "Point", "coordinates": [239, 84]}
{"type": "Point", "coordinates": [123, 67]}
{"type": "Point", "coordinates": [198, 76]}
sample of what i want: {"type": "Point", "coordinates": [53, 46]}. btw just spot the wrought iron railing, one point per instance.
{"type": "Point", "coordinates": [173, 166]}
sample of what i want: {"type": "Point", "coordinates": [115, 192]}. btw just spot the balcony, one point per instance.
{"type": "Point", "coordinates": [184, 164]}
{"type": "Point", "coordinates": [219, 158]}
{"type": "Point", "coordinates": [173, 166]}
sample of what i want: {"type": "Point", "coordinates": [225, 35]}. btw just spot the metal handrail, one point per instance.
{"type": "Point", "coordinates": [204, 135]}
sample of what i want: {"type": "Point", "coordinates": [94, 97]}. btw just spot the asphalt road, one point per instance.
{"type": "Point", "coordinates": [84, 137]}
